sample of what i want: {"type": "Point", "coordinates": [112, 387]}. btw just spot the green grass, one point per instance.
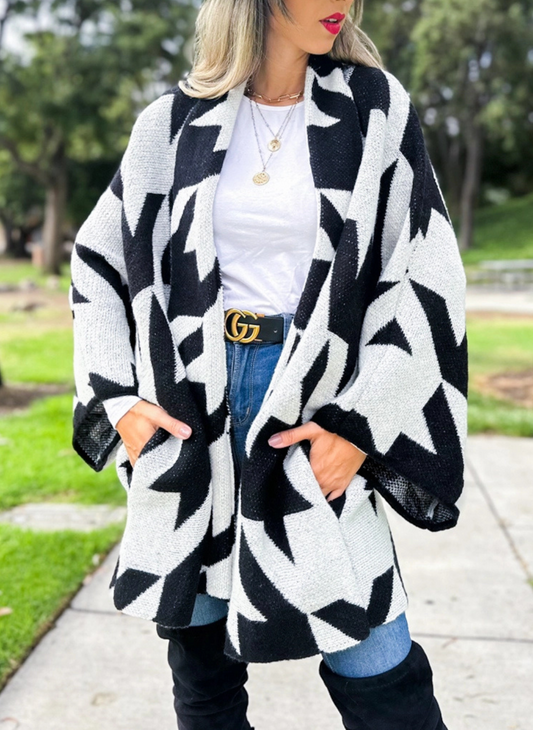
{"type": "Point", "coordinates": [39, 573]}
{"type": "Point", "coordinates": [33, 357]}
{"type": "Point", "coordinates": [38, 463]}
{"type": "Point", "coordinates": [492, 415]}
{"type": "Point", "coordinates": [13, 271]}
{"type": "Point", "coordinates": [503, 232]}
{"type": "Point", "coordinates": [498, 344]}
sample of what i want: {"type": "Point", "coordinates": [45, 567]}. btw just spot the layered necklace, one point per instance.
{"type": "Point", "coordinates": [262, 177]}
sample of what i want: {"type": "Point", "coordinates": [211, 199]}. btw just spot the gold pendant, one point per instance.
{"type": "Point", "coordinates": [274, 145]}
{"type": "Point", "coordinates": [261, 178]}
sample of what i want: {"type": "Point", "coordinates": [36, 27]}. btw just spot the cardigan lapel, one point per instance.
{"type": "Point", "coordinates": [335, 149]}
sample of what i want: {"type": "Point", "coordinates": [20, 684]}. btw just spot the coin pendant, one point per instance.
{"type": "Point", "coordinates": [274, 145]}
{"type": "Point", "coordinates": [261, 178]}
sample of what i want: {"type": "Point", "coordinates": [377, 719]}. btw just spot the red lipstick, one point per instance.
{"type": "Point", "coordinates": [333, 22]}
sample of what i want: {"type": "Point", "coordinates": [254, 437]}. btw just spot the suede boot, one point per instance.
{"type": "Point", "coordinates": [208, 690]}
{"type": "Point", "coordinates": [398, 699]}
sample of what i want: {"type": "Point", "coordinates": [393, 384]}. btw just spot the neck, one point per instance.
{"type": "Point", "coordinates": [282, 71]}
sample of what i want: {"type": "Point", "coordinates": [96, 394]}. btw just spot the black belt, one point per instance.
{"type": "Point", "coordinates": [243, 326]}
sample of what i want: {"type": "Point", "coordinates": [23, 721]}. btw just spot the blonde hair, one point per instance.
{"type": "Point", "coordinates": [229, 44]}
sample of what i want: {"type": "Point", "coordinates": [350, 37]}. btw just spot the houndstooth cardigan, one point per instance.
{"type": "Point", "coordinates": [376, 353]}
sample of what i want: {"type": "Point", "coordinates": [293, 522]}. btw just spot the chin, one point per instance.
{"type": "Point", "coordinates": [319, 47]}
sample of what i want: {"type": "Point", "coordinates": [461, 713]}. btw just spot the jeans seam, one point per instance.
{"type": "Point", "coordinates": [235, 355]}
{"type": "Point", "coordinates": [251, 364]}
{"type": "Point", "coordinates": [232, 367]}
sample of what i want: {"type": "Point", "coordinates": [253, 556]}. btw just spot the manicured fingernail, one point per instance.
{"type": "Point", "coordinates": [185, 431]}
{"type": "Point", "coordinates": [275, 439]}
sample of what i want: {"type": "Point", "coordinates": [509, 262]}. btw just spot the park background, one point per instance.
{"type": "Point", "coordinates": [74, 75]}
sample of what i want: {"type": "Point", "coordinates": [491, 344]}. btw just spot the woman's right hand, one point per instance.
{"type": "Point", "coordinates": [139, 424]}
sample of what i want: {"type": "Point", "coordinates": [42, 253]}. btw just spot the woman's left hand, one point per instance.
{"type": "Point", "coordinates": [334, 460]}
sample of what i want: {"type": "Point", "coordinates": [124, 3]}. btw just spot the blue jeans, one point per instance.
{"type": "Point", "coordinates": [250, 368]}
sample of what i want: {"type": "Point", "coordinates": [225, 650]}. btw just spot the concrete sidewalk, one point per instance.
{"type": "Point", "coordinates": [502, 301]}
{"type": "Point", "coordinates": [471, 607]}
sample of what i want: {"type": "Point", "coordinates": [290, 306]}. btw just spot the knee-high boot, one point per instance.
{"type": "Point", "coordinates": [399, 699]}
{"type": "Point", "coordinates": [208, 689]}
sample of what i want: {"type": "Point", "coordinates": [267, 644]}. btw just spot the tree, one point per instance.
{"type": "Point", "coordinates": [76, 98]}
{"type": "Point", "coordinates": [472, 75]}
{"type": "Point", "coordinates": [390, 25]}
{"type": "Point", "coordinates": [21, 203]}
{"type": "Point", "coordinates": [468, 67]}
{"type": "Point", "coordinates": [15, 7]}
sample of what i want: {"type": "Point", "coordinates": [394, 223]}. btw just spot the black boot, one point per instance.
{"type": "Point", "coordinates": [209, 691]}
{"type": "Point", "coordinates": [398, 699]}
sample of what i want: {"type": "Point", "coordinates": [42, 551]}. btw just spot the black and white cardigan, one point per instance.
{"type": "Point", "coordinates": [376, 353]}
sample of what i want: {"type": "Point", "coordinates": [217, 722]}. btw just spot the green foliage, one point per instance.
{"type": "Point", "coordinates": [468, 64]}
{"type": "Point", "coordinates": [75, 95]}
{"type": "Point", "coordinates": [39, 573]}
{"type": "Point", "coordinates": [390, 25]}
{"type": "Point", "coordinates": [38, 463]}
{"type": "Point", "coordinates": [18, 194]}
{"type": "Point", "coordinates": [484, 66]}
{"type": "Point", "coordinates": [88, 77]}
{"type": "Point", "coordinates": [503, 232]}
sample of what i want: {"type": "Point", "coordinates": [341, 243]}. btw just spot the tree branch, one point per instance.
{"type": "Point", "coordinates": [29, 168]}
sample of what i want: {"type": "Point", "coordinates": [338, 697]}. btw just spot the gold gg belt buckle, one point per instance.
{"type": "Point", "coordinates": [237, 331]}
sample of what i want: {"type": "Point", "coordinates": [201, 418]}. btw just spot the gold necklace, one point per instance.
{"type": "Point", "coordinates": [284, 96]}
{"type": "Point", "coordinates": [274, 143]}
{"type": "Point", "coordinates": [261, 178]}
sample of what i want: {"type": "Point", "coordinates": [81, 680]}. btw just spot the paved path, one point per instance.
{"type": "Point", "coordinates": [471, 607]}
{"type": "Point", "coordinates": [483, 299]}
{"type": "Point", "coordinates": [51, 516]}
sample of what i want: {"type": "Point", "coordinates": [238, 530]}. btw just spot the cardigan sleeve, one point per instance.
{"type": "Point", "coordinates": [405, 404]}
{"type": "Point", "coordinates": [103, 322]}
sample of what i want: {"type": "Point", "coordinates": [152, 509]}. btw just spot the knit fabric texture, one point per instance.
{"type": "Point", "coordinates": [376, 353]}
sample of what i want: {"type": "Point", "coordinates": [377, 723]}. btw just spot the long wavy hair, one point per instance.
{"type": "Point", "coordinates": [229, 44]}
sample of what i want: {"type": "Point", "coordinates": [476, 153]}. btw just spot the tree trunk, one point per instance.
{"type": "Point", "coordinates": [54, 213]}
{"type": "Point", "coordinates": [15, 242]}
{"type": "Point", "coordinates": [5, 233]}
{"type": "Point", "coordinates": [449, 160]}
{"type": "Point", "coordinates": [471, 183]}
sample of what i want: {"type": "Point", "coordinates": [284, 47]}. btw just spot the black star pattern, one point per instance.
{"type": "Point", "coordinates": [373, 355]}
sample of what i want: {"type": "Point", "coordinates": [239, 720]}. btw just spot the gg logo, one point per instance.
{"type": "Point", "coordinates": [232, 329]}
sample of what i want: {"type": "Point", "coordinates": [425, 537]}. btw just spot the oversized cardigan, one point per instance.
{"type": "Point", "coordinates": [376, 353]}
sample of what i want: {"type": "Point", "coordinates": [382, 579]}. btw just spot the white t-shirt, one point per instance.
{"type": "Point", "coordinates": [264, 234]}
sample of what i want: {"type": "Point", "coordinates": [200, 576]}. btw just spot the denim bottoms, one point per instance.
{"type": "Point", "coordinates": [250, 369]}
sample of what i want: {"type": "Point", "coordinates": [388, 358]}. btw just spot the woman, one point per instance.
{"type": "Point", "coordinates": [269, 336]}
